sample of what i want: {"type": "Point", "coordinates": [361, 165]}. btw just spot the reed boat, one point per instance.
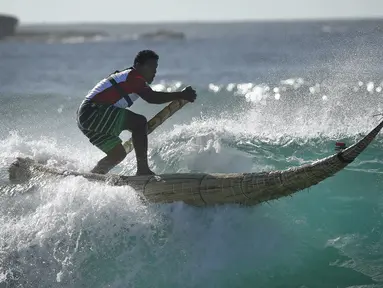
{"type": "Point", "coordinates": [204, 189]}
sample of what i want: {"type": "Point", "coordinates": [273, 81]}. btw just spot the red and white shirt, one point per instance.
{"type": "Point", "coordinates": [131, 83]}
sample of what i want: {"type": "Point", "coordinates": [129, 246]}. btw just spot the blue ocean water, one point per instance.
{"type": "Point", "coordinates": [270, 96]}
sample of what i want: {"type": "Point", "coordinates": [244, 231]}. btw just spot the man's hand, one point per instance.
{"type": "Point", "coordinates": [188, 94]}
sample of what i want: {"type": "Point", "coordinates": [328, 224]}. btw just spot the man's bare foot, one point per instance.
{"type": "Point", "coordinates": [145, 172]}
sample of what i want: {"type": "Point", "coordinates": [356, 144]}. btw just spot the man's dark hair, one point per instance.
{"type": "Point", "coordinates": [144, 56]}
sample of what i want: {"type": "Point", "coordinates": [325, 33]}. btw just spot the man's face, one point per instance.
{"type": "Point", "coordinates": [149, 69]}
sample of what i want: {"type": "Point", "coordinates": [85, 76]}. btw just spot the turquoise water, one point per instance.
{"type": "Point", "coordinates": [269, 97]}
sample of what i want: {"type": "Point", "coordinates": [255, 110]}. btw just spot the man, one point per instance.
{"type": "Point", "coordinates": [102, 115]}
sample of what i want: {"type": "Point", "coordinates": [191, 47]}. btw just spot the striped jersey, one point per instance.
{"type": "Point", "coordinates": [120, 89]}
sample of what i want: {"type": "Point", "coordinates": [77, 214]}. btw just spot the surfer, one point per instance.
{"type": "Point", "coordinates": [102, 115]}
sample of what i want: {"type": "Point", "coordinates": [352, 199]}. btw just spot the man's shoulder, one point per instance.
{"type": "Point", "coordinates": [134, 82]}
{"type": "Point", "coordinates": [135, 76]}
{"type": "Point", "coordinates": [135, 79]}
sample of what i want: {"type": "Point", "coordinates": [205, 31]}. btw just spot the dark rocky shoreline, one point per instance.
{"type": "Point", "coordinates": [8, 25]}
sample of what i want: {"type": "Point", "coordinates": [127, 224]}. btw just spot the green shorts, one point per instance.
{"type": "Point", "coordinates": [102, 124]}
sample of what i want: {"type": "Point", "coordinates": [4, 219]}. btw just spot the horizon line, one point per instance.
{"type": "Point", "coordinates": [205, 21]}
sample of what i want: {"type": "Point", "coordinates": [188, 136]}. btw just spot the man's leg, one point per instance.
{"type": "Point", "coordinates": [138, 126]}
{"type": "Point", "coordinates": [102, 125]}
{"type": "Point", "coordinates": [112, 158]}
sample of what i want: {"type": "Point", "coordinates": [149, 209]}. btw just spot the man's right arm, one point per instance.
{"type": "Point", "coordinates": [142, 89]}
{"type": "Point", "coordinates": [157, 97]}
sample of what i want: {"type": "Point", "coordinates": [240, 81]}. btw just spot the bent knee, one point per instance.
{"type": "Point", "coordinates": [141, 124]}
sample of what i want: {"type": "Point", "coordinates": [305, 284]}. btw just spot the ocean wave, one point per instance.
{"type": "Point", "coordinates": [228, 122]}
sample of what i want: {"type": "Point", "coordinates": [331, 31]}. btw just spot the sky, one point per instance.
{"type": "Point", "coordinates": [75, 11]}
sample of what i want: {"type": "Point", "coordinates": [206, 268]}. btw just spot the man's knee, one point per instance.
{"type": "Point", "coordinates": [136, 123]}
{"type": "Point", "coordinates": [141, 124]}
